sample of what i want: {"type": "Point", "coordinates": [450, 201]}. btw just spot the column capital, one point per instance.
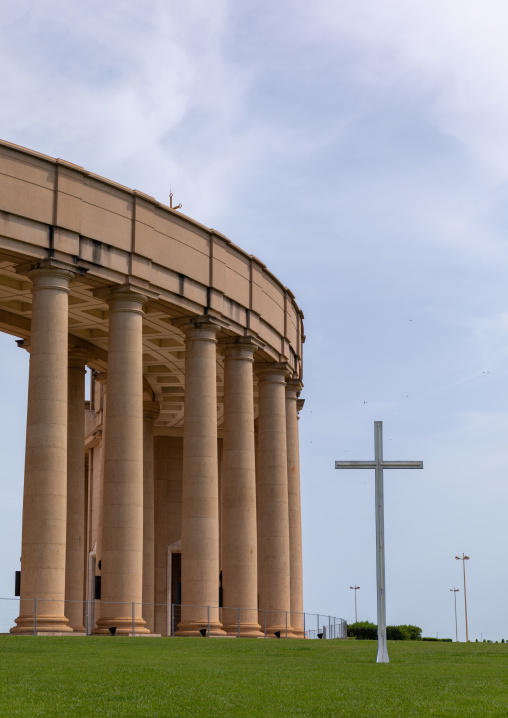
{"type": "Point", "coordinates": [239, 347]}
{"type": "Point", "coordinates": [204, 322]}
{"type": "Point", "coordinates": [78, 359]}
{"type": "Point", "coordinates": [50, 273]}
{"type": "Point", "coordinates": [151, 409]}
{"type": "Point", "coordinates": [101, 377]}
{"type": "Point", "coordinates": [269, 371]}
{"type": "Point", "coordinates": [125, 297]}
{"type": "Point", "coordinates": [293, 388]}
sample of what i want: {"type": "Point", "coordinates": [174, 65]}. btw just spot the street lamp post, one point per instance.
{"type": "Point", "coordinates": [355, 589]}
{"type": "Point", "coordinates": [464, 558]}
{"type": "Point", "coordinates": [455, 600]}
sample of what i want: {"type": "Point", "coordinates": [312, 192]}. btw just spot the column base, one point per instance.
{"type": "Point", "coordinates": [78, 629]}
{"type": "Point", "coordinates": [272, 630]}
{"type": "Point", "coordinates": [194, 628]}
{"type": "Point", "coordinates": [43, 624]}
{"type": "Point", "coordinates": [247, 630]}
{"type": "Point", "coordinates": [123, 625]}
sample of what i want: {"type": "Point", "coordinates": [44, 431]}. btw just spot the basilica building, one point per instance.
{"type": "Point", "coordinates": [168, 502]}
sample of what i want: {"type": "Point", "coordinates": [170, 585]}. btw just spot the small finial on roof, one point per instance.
{"type": "Point", "coordinates": [178, 206]}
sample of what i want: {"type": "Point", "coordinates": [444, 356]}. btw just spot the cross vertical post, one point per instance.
{"type": "Point", "coordinates": [379, 465]}
{"type": "Point", "coordinates": [382, 651]}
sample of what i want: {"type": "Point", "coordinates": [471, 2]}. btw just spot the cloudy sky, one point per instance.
{"type": "Point", "coordinates": [360, 149]}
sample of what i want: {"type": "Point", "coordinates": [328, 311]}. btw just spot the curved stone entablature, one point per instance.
{"type": "Point", "coordinates": [113, 236]}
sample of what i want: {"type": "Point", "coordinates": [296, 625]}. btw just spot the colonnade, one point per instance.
{"type": "Point", "coordinates": [261, 524]}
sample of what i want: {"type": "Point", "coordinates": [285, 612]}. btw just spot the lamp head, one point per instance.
{"type": "Point", "coordinates": [466, 558]}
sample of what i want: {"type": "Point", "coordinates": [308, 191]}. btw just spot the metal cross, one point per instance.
{"type": "Point", "coordinates": [378, 464]}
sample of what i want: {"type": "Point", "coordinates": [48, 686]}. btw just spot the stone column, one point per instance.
{"type": "Point", "coordinates": [150, 413]}
{"type": "Point", "coordinates": [239, 532]}
{"type": "Point", "coordinates": [45, 487]}
{"type": "Point", "coordinates": [76, 501]}
{"type": "Point", "coordinates": [200, 499]}
{"type": "Point", "coordinates": [102, 379]}
{"type": "Point", "coordinates": [293, 388]}
{"type": "Point", "coordinates": [122, 529]}
{"type": "Point", "coordinates": [272, 501]}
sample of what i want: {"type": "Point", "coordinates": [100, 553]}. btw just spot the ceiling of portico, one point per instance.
{"type": "Point", "coordinates": [163, 344]}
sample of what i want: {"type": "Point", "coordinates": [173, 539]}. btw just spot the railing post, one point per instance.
{"type": "Point", "coordinates": [208, 613]}
{"type": "Point", "coordinates": [238, 623]}
{"type": "Point", "coordinates": [172, 620]}
{"type": "Point", "coordinates": [304, 632]}
{"type": "Point", "coordinates": [86, 618]}
{"type": "Point", "coordinates": [35, 616]}
{"type": "Point", "coordinates": [133, 619]}
{"type": "Point", "coordinates": [286, 624]}
{"type": "Point", "coordinates": [265, 621]}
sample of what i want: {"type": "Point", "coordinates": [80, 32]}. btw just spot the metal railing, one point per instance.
{"type": "Point", "coordinates": [328, 627]}
{"type": "Point", "coordinates": [38, 616]}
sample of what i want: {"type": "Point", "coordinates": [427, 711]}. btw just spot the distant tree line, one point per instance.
{"type": "Point", "coordinates": [364, 630]}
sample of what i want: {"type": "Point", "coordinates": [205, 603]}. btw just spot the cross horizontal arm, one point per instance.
{"type": "Point", "coordinates": [355, 464]}
{"type": "Point", "coordinates": [402, 464]}
{"type": "Point", "coordinates": [382, 464]}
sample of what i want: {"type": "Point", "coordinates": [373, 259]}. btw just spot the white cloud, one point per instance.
{"type": "Point", "coordinates": [453, 51]}
{"type": "Point", "coordinates": [113, 81]}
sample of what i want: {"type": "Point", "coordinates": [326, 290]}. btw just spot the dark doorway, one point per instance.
{"type": "Point", "coordinates": [176, 586]}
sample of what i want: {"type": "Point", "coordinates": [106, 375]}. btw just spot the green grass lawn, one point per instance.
{"type": "Point", "coordinates": [104, 676]}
